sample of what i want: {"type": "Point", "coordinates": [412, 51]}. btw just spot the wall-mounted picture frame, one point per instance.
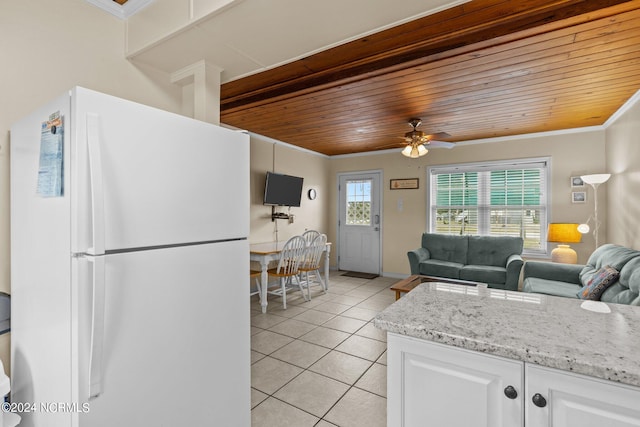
{"type": "Point", "coordinates": [578, 197]}
{"type": "Point", "coordinates": [404, 184]}
{"type": "Point", "coordinates": [576, 182]}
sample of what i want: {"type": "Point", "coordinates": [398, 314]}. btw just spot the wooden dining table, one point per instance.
{"type": "Point", "coordinates": [264, 253]}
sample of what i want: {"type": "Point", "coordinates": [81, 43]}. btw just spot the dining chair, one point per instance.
{"type": "Point", "coordinates": [310, 267]}
{"type": "Point", "coordinates": [255, 274]}
{"type": "Point", "coordinates": [286, 272]}
{"type": "Point", "coordinates": [309, 235]}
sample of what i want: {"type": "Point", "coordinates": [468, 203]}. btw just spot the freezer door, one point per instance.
{"type": "Point", "coordinates": [144, 177]}
{"type": "Point", "coordinates": [175, 334]}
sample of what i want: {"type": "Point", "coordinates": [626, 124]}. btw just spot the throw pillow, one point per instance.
{"type": "Point", "coordinates": [601, 280]}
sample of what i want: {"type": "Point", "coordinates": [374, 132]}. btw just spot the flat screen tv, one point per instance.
{"type": "Point", "coordinates": [282, 190]}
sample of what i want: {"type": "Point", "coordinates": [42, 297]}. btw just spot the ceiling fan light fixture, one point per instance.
{"type": "Point", "coordinates": [415, 135]}
{"type": "Point", "coordinates": [407, 151]}
{"type": "Point", "coordinates": [417, 141]}
{"type": "Point", "coordinates": [414, 150]}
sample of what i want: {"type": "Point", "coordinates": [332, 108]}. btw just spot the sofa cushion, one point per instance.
{"type": "Point", "coordinates": [439, 268]}
{"type": "Point", "coordinates": [446, 248]}
{"type": "Point", "coordinates": [627, 289]}
{"type": "Point", "coordinates": [599, 282]}
{"type": "Point", "coordinates": [492, 250]}
{"type": "Point", "coordinates": [484, 274]}
{"type": "Point", "coordinates": [550, 287]}
{"type": "Point", "coordinates": [609, 254]}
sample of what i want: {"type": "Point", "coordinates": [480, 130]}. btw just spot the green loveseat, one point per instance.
{"type": "Point", "coordinates": [494, 260]}
{"type": "Point", "coordinates": [567, 279]}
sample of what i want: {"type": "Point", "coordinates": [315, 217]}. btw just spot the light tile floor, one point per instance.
{"type": "Point", "coordinates": [321, 363]}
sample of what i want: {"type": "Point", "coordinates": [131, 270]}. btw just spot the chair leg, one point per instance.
{"type": "Point", "coordinates": [300, 280]}
{"type": "Point", "coordinates": [321, 280]}
{"type": "Point", "coordinates": [306, 278]}
{"type": "Point", "coordinates": [283, 286]}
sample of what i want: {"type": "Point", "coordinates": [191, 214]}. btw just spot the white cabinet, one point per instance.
{"type": "Point", "coordinates": [578, 401]}
{"type": "Point", "coordinates": [435, 385]}
{"type": "Point", "coordinates": [431, 384]}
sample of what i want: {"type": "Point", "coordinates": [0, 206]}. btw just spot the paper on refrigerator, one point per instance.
{"type": "Point", "coordinates": [51, 165]}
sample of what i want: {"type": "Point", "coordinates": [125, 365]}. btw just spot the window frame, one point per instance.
{"type": "Point", "coordinates": [493, 165]}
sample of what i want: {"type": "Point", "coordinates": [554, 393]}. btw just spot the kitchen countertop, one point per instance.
{"type": "Point", "coordinates": [545, 330]}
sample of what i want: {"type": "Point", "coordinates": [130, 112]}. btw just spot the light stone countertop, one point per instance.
{"type": "Point", "coordinates": [549, 331]}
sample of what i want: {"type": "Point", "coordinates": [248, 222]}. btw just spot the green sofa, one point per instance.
{"type": "Point", "coordinates": [567, 279]}
{"type": "Point", "coordinates": [494, 260]}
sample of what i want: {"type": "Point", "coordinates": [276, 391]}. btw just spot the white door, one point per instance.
{"type": "Point", "coordinates": [162, 178]}
{"type": "Point", "coordinates": [572, 400]}
{"type": "Point", "coordinates": [359, 222]}
{"type": "Point", "coordinates": [175, 347]}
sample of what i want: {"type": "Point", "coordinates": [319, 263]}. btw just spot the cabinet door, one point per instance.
{"type": "Point", "coordinates": [578, 401]}
{"type": "Point", "coordinates": [435, 385]}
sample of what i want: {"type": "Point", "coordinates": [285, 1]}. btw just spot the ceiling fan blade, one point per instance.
{"type": "Point", "coordinates": [439, 135]}
{"type": "Point", "coordinates": [441, 144]}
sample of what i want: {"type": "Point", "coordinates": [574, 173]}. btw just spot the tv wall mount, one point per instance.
{"type": "Point", "coordinates": [280, 215]}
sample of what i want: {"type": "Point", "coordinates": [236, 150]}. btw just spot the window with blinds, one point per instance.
{"type": "Point", "coordinates": [497, 199]}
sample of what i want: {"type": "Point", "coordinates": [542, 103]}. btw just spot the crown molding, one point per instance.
{"type": "Point", "coordinates": [123, 12]}
{"type": "Point", "coordinates": [620, 111]}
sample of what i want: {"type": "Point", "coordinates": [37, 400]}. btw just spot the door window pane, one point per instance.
{"type": "Point", "coordinates": [358, 202]}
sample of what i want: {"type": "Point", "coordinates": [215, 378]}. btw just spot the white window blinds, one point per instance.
{"type": "Point", "coordinates": [502, 198]}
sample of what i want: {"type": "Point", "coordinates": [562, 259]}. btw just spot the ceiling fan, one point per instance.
{"type": "Point", "coordinates": [416, 140]}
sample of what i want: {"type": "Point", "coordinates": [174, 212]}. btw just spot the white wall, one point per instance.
{"type": "Point", "coordinates": [48, 47]}
{"type": "Point", "coordinates": [280, 158]}
{"type": "Point", "coordinates": [623, 188]}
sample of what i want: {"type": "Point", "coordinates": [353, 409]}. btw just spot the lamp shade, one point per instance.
{"type": "Point", "coordinates": [563, 233]}
{"type": "Point", "coordinates": [414, 150]}
{"type": "Point", "coordinates": [596, 178]}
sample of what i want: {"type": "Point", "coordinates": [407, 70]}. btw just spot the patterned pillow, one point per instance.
{"type": "Point", "coordinates": [601, 280]}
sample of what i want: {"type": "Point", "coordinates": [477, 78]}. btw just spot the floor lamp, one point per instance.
{"type": "Point", "coordinates": [594, 180]}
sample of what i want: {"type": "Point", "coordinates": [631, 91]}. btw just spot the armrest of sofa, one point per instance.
{"type": "Point", "coordinates": [514, 265]}
{"type": "Point", "coordinates": [569, 273]}
{"type": "Point", "coordinates": [415, 257]}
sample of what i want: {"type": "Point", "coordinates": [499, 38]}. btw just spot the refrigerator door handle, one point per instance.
{"type": "Point", "coordinates": [96, 187]}
{"type": "Point", "coordinates": [97, 326]}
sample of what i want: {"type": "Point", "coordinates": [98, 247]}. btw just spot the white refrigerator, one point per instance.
{"type": "Point", "coordinates": [129, 261]}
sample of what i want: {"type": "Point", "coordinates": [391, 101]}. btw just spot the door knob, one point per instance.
{"type": "Point", "coordinates": [510, 392]}
{"type": "Point", "coordinates": [539, 400]}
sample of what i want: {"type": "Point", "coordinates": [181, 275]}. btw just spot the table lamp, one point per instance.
{"type": "Point", "coordinates": [563, 234]}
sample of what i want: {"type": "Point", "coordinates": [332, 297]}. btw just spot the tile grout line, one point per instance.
{"type": "Point", "coordinates": [331, 349]}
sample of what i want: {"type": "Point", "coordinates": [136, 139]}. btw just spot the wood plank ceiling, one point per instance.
{"type": "Point", "coordinates": [483, 69]}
